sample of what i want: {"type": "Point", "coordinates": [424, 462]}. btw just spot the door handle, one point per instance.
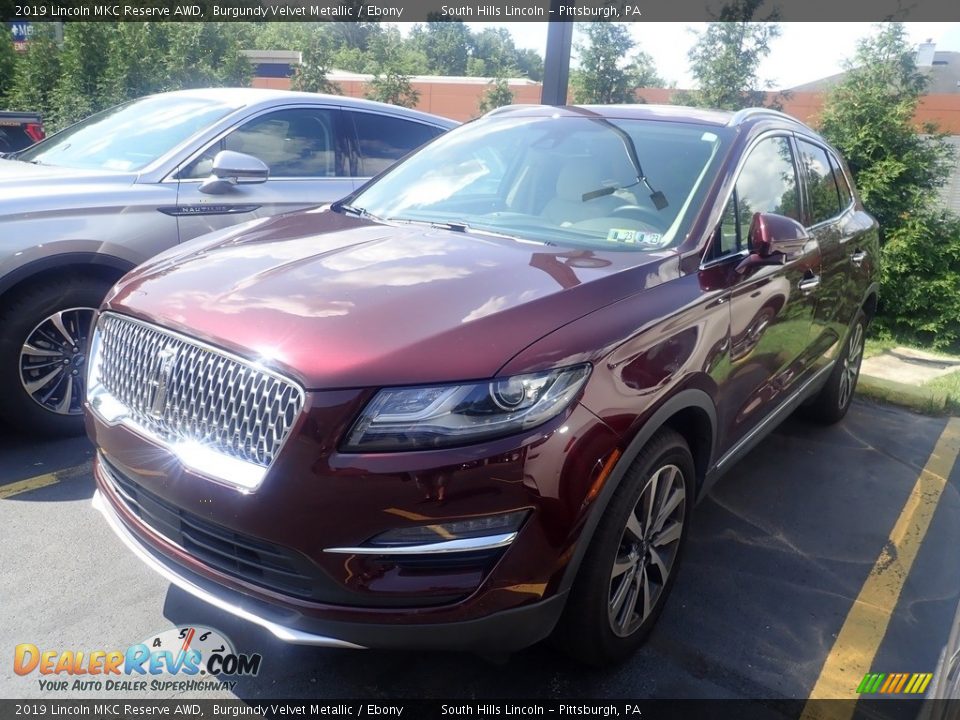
{"type": "Point", "coordinates": [858, 257]}
{"type": "Point", "coordinates": [808, 285]}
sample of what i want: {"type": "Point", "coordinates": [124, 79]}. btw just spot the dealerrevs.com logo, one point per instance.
{"type": "Point", "coordinates": [180, 659]}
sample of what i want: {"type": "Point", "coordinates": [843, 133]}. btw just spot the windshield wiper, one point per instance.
{"type": "Point", "coordinates": [658, 199]}
{"type": "Point", "coordinates": [341, 207]}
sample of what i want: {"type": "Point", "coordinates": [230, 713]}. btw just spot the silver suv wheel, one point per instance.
{"type": "Point", "coordinates": [53, 360]}
{"type": "Point", "coordinates": [648, 548]}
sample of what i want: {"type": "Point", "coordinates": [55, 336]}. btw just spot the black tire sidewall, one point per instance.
{"type": "Point", "coordinates": [825, 407]}
{"type": "Point", "coordinates": [23, 313]}
{"type": "Point", "coordinates": [585, 628]}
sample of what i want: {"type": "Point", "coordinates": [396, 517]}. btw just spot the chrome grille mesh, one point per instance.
{"type": "Point", "coordinates": [180, 390]}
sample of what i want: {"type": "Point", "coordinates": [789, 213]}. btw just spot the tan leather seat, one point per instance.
{"type": "Point", "coordinates": [577, 177]}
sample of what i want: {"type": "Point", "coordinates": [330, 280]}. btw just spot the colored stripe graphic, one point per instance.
{"type": "Point", "coordinates": [894, 683]}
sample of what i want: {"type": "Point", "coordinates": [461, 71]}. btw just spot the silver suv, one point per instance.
{"type": "Point", "coordinates": [84, 206]}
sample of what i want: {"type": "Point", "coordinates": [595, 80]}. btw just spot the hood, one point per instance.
{"type": "Point", "coordinates": [339, 302]}
{"type": "Point", "coordinates": [21, 183]}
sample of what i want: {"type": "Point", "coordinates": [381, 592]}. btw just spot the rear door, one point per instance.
{"type": "Point", "coordinates": [307, 152]}
{"type": "Point", "coordinates": [771, 307]}
{"type": "Point", "coordinates": [826, 217]}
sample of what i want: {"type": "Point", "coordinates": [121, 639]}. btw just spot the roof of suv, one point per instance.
{"type": "Point", "coordinates": [677, 113]}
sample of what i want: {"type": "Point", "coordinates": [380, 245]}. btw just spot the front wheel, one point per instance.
{"type": "Point", "coordinates": [43, 351]}
{"type": "Point", "coordinates": [632, 560]}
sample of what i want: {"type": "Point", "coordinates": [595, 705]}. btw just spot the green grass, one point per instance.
{"type": "Point", "coordinates": [878, 346]}
{"type": "Point", "coordinates": [950, 384]}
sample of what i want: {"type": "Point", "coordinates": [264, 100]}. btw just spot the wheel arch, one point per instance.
{"type": "Point", "coordinates": [97, 265]}
{"type": "Point", "coordinates": [692, 414]}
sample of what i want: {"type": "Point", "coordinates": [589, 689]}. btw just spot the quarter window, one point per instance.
{"type": "Point", "coordinates": [845, 195]}
{"type": "Point", "coordinates": [822, 192]}
{"type": "Point", "coordinates": [293, 143]}
{"type": "Point", "coordinates": [383, 139]}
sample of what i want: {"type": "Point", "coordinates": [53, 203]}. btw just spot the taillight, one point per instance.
{"type": "Point", "coordinates": [34, 131]}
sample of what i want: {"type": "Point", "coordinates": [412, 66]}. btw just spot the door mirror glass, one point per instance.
{"type": "Point", "coordinates": [233, 168]}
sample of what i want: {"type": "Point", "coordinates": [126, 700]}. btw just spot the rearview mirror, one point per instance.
{"type": "Point", "coordinates": [233, 168]}
{"type": "Point", "coordinates": [774, 239]}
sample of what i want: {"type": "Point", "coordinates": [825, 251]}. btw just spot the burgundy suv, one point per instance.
{"type": "Point", "coordinates": [474, 403]}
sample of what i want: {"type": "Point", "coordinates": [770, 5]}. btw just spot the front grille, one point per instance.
{"type": "Point", "coordinates": [180, 390]}
{"type": "Point", "coordinates": [250, 559]}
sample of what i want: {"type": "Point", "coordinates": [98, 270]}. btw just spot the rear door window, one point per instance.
{"type": "Point", "coordinates": [382, 139]}
{"type": "Point", "coordinates": [822, 193]}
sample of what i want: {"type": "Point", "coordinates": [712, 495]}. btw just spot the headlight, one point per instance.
{"type": "Point", "coordinates": [421, 418]}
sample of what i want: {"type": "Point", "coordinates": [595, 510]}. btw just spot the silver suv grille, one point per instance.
{"type": "Point", "coordinates": [180, 390]}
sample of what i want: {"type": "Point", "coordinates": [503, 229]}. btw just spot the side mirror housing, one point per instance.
{"type": "Point", "coordinates": [774, 239]}
{"type": "Point", "coordinates": [233, 168]}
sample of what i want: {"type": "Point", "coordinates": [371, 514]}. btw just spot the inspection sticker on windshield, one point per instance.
{"type": "Point", "coordinates": [635, 237]}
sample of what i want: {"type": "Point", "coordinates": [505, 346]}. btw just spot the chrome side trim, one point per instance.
{"type": "Point", "coordinates": [488, 542]}
{"type": "Point", "coordinates": [282, 632]}
{"type": "Point", "coordinates": [785, 408]}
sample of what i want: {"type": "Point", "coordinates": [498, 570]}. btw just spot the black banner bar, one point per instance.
{"type": "Point", "coordinates": [114, 709]}
{"type": "Point", "coordinates": [469, 10]}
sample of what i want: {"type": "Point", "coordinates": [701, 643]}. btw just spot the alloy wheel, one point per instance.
{"type": "Point", "coordinates": [647, 551]}
{"type": "Point", "coordinates": [851, 365]}
{"type": "Point", "coordinates": [53, 360]}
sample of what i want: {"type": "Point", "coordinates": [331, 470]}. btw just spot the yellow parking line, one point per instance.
{"type": "Point", "coordinates": [866, 623]}
{"type": "Point", "coordinates": [23, 486]}
{"type": "Point", "coordinates": [40, 481]}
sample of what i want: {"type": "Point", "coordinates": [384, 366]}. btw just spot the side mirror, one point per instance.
{"type": "Point", "coordinates": [233, 168]}
{"type": "Point", "coordinates": [774, 239]}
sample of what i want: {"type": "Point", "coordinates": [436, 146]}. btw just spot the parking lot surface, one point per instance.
{"type": "Point", "coordinates": [779, 554]}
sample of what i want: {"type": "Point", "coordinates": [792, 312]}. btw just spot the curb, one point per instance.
{"type": "Point", "coordinates": [921, 399]}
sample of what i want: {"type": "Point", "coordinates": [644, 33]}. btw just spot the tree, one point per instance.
{"type": "Point", "coordinates": [446, 45]}
{"type": "Point", "coordinates": [607, 72]}
{"type": "Point", "coordinates": [391, 87]}
{"type": "Point", "coordinates": [391, 82]}
{"type": "Point", "coordinates": [919, 280]}
{"type": "Point", "coordinates": [869, 117]}
{"type": "Point", "coordinates": [725, 60]}
{"type": "Point", "coordinates": [36, 73]}
{"type": "Point", "coordinates": [497, 95]}
{"type": "Point", "coordinates": [8, 61]}
{"type": "Point", "coordinates": [315, 64]}
{"type": "Point", "coordinates": [898, 167]}
{"type": "Point", "coordinates": [83, 62]}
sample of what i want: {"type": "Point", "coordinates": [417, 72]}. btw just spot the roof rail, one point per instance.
{"type": "Point", "coordinates": [741, 115]}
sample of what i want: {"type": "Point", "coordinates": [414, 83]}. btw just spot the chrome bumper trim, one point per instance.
{"type": "Point", "coordinates": [282, 632]}
{"type": "Point", "coordinates": [488, 542]}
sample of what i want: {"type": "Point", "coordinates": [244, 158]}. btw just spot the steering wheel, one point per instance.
{"type": "Point", "coordinates": [636, 212]}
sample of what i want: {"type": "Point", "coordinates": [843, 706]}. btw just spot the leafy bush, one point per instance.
{"type": "Point", "coordinates": [920, 281]}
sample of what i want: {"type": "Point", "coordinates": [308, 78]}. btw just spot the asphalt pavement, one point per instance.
{"type": "Point", "coordinates": [778, 556]}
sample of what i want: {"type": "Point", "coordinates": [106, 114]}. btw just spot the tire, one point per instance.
{"type": "Point", "coordinates": [39, 395]}
{"type": "Point", "coordinates": [833, 400]}
{"type": "Point", "coordinates": [606, 619]}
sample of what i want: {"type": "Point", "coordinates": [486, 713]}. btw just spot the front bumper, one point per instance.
{"type": "Point", "coordinates": [502, 632]}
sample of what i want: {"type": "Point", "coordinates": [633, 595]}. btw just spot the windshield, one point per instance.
{"type": "Point", "coordinates": [586, 181]}
{"type": "Point", "coordinates": [127, 137]}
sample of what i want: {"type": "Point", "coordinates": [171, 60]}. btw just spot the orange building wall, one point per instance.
{"type": "Point", "coordinates": [458, 101]}
{"type": "Point", "coordinates": [461, 101]}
